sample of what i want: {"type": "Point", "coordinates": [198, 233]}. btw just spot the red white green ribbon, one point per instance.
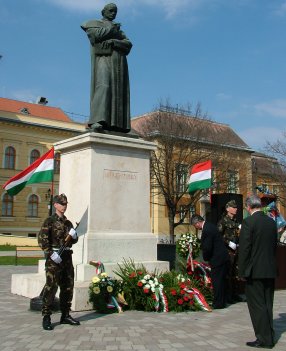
{"type": "Point", "coordinates": [199, 298]}
{"type": "Point", "coordinates": [190, 257]}
{"type": "Point", "coordinates": [160, 296]}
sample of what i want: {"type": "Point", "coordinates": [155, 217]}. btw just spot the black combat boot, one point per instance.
{"type": "Point", "coordinates": [47, 325]}
{"type": "Point", "coordinates": [68, 319]}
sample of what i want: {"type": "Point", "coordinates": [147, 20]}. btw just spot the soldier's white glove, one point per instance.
{"type": "Point", "coordinates": [232, 245]}
{"type": "Point", "coordinates": [73, 233]}
{"type": "Point", "coordinates": [56, 257]}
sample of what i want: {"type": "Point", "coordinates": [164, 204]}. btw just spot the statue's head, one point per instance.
{"type": "Point", "coordinates": [109, 11]}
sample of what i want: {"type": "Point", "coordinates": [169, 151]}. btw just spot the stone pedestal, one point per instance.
{"type": "Point", "coordinates": [107, 182]}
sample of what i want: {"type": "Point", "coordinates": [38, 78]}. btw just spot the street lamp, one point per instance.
{"type": "Point", "coordinates": [49, 198]}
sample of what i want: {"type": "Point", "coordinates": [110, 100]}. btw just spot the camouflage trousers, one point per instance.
{"type": "Point", "coordinates": [62, 276]}
{"type": "Point", "coordinates": [232, 273]}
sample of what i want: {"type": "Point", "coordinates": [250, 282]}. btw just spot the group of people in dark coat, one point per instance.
{"type": "Point", "coordinates": [256, 266]}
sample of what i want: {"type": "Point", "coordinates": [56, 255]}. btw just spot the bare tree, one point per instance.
{"type": "Point", "coordinates": [184, 138]}
{"type": "Point", "coordinates": [277, 168]}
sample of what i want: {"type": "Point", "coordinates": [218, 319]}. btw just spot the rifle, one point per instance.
{"type": "Point", "coordinates": [67, 241]}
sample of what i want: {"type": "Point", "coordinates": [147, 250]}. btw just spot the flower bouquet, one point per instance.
{"type": "Point", "coordinates": [183, 294]}
{"type": "Point", "coordinates": [103, 291]}
{"type": "Point", "coordinates": [185, 243]}
{"type": "Point", "coordinates": [142, 290]}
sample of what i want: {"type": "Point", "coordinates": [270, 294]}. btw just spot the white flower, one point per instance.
{"type": "Point", "coordinates": [147, 276]}
{"type": "Point", "coordinates": [147, 286]}
{"type": "Point", "coordinates": [143, 281]}
{"type": "Point", "coordinates": [161, 286]}
{"type": "Point", "coordinates": [152, 289]}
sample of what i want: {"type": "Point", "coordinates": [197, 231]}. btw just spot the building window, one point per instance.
{"type": "Point", "coordinates": [181, 177]}
{"type": "Point", "coordinates": [275, 189]}
{"type": "Point", "coordinates": [7, 205]}
{"type": "Point", "coordinates": [33, 205]}
{"type": "Point", "coordinates": [34, 155]}
{"type": "Point", "coordinates": [182, 211]}
{"type": "Point", "coordinates": [10, 157]}
{"type": "Point", "coordinates": [57, 163]}
{"type": "Point", "coordinates": [186, 213]}
{"type": "Point", "coordinates": [192, 211]}
{"type": "Point", "coordinates": [232, 181]}
{"type": "Point", "coordinates": [265, 189]}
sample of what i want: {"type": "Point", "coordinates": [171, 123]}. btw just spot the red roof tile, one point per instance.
{"type": "Point", "coordinates": [36, 110]}
{"type": "Point", "coordinates": [210, 131]}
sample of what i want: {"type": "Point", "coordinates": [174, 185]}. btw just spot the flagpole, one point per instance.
{"type": "Point", "coordinates": [51, 199]}
{"type": "Point", "coordinates": [52, 192]}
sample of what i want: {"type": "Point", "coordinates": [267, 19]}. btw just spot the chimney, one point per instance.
{"type": "Point", "coordinates": [41, 100]}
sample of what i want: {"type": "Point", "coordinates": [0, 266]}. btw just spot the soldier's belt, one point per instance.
{"type": "Point", "coordinates": [56, 249]}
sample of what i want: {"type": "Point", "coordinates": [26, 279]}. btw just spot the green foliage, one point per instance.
{"type": "Point", "coordinates": [141, 289]}
{"type": "Point", "coordinates": [184, 242]}
{"type": "Point", "coordinates": [180, 293]}
{"type": "Point", "coordinates": [135, 295]}
{"type": "Point", "coordinates": [22, 261]}
{"type": "Point", "coordinates": [7, 247]}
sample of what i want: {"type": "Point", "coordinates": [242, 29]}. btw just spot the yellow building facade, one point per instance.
{"type": "Point", "coordinates": [232, 166]}
{"type": "Point", "coordinates": [28, 131]}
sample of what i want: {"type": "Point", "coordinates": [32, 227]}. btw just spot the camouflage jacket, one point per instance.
{"type": "Point", "coordinates": [53, 233]}
{"type": "Point", "coordinates": [228, 227]}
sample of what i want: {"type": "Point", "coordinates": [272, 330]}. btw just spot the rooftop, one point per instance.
{"type": "Point", "coordinates": [33, 109]}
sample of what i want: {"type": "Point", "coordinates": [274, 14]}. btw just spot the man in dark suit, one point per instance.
{"type": "Point", "coordinates": [257, 266]}
{"type": "Point", "coordinates": [215, 252]}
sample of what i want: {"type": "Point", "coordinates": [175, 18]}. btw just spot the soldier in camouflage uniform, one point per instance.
{"type": "Point", "coordinates": [229, 228]}
{"type": "Point", "coordinates": [56, 231]}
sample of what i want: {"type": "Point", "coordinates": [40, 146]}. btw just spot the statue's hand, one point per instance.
{"type": "Point", "coordinates": [107, 44]}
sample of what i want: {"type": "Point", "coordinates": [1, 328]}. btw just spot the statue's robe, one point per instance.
{"type": "Point", "coordinates": [109, 93]}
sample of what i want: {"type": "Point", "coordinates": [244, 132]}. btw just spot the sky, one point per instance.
{"type": "Point", "coordinates": [227, 55]}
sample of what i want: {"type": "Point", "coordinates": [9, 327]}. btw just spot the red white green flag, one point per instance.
{"type": "Point", "coordinates": [39, 171]}
{"type": "Point", "coordinates": [200, 176]}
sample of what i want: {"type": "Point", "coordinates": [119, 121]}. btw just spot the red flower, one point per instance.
{"type": "Point", "coordinates": [191, 302]}
{"type": "Point", "coordinates": [182, 285]}
{"type": "Point", "coordinates": [132, 275]}
{"type": "Point", "coordinates": [140, 284]}
{"type": "Point", "coordinates": [154, 297]}
{"type": "Point", "coordinates": [182, 292]}
{"type": "Point", "coordinates": [186, 298]}
{"type": "Point", "coordinates": [146, 291]}
{"type": "Point", "coordinates": [140, 272]}
{"type": "Point", "coordinates": [180, 301]}
{"type": "Point", "coordinates": [173, 292]}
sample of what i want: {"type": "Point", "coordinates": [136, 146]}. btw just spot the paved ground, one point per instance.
{"type": "Point", "coordinates": [228, 329]}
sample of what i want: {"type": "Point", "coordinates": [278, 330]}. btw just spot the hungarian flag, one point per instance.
{"type": "Point", "coordinates": [39, 171]}
{"type": "Point", "coordinates": [200, 176]}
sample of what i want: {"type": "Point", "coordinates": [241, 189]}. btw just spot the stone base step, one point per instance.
{"type": "Point", "coordinates": [31, 285]}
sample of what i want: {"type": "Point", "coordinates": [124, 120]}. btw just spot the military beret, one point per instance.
{"type": "Point", "coordinates": [60, 199]}
{"type": "Point", "coordinates": [231, 203]}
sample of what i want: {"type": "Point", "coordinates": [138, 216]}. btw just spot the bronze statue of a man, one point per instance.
{"type": "Point", "coordinates": [109, 93]}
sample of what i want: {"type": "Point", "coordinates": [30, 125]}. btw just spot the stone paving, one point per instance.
{"type": "Point", "coordinates": [228, 329]}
